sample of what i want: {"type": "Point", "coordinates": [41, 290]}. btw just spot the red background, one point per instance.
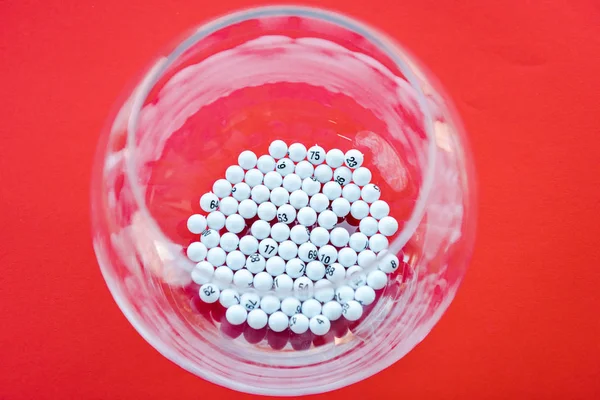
{"type": "Point", "coordinates": [524, 76]}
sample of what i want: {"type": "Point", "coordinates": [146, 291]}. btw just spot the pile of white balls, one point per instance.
{"type": "Point", "coordinates": [298, 247]}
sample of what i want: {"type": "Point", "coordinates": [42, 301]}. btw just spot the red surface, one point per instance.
{"type": "Point", "coordinates": [525, 79]}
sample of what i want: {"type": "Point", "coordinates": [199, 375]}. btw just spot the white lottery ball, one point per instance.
{"type": "Point", "coordinates": [279, 196]}
{"type": "Point", "coordinates": [203, 272]}
{"type": "Point", "coordinates": [263, 281]}
{"type": "Point", "coordinates": [377, 279]}
{"type": "Point", "coordinates": [307, 216]}
{"type": "Point", "coordinates": [267, 211]}
{"type": "Point", "coordinates": [332, 190]}
{"type": "Point", "coordinates": [197, 223]}
{"type": "Point", "coordinates": [280, 232]}
{"type": "Point", "coordinates": [269, 304]}
{"type": "Point", "coordinates": [342, 175]}
{"type": "Point", "coordinates": [248, 245]}
{"type": "Point", "coordinates": [359, 209]}
{"type": "Point", "coordinates": [352, 310]}
{"type": "Point", "coordinates": [308, 252]}
{"type": "Point", "coordinates": [286, 214]}
{"type": "Point", "coordinates": [339, 237]}
{"type": "Point", "coordinates": [303, 288]}
{"type": "Point", "coordinates": [315, 270]}
{"type": "Point", "coordinates": [236, 314]}
{"type": "Point", "coordinates": [283, 284]}
{"type": "Point", "coordinates": [389, 263]}
{"type": "Point", "coordinates": [229, 297]}
{"type": "Point", "coordinates": [243, 278]}
{"type": "Point", "coordinates": [353, 158]}
{"type": "Point", "coordinates": [265, 164]}
{"type": "Point", "coordinates": [351, 192]}
{"type": "Point", "coordinates": [324, 291]}
{"type": "Point", "coordinates": [257, 319]}
{"type": "Point", "coordinates": [304, 169]}
{"type": "Point", "coordinates": [378, 242]}
{"type": "Point", "coordinates": [260, 229]}
{"type": "Point", "coordinates": [297, 152]}
{"type": "Point", "coordinates": [379, 209]}
{"type": "Point", "coordinates": [316, 155]}
{"type": "Point", "coordinates": [247, 159]}
{"type": "Point", "coordinates": [356, 276]}
{"type": "Point", "coordinates": [358, 241]}
{"type": "Point", "coordinates": [235, 223]}
{"type": "Point", "coordinates": [370, 193]}
{"type": "Point", "coordinates": [327, 219]}
{"type": "Point", "coordinates": [341, 207]}
{"type": "Point", "coordinates": [299, 323]}
{"type": "Point", "coordinates": [278, 149]}
{"type": "Point", "coordinates": [328, 254]}
{"type": "Point", "coordinates": [216, 256]}
{"type": "Point", "coordinates": [223, 277]}
{"type": "Point", "coordinates": [365, 295]}
{"type": "Point", "coordinates": [247, 208]}
{"type": "Point", "coordinates": [319, 325]}
{"type": "Point", "coordinates": [291, 306]}
{"type": "Point", "coordinates": [285, 166]}
{"type": "Point", "coordinates": [287, 250]}
{"type": "Point", "coordinates": [361, 176]}
{"type": "Point", "coordinates": [323, 173]}
{"type": "Point", "coordinates": [319, 202]}
{"type": "Point", "coordinates": [369, 226]}
{"type": "Point", "coordinates": [254, 177]}
{"type": "Point", "coordinates": [275, 265]}
{"type": "Point", "coordinates": [209, 202]}
{"type": "Point", "coordinates": [228, 206]}
{"type": "Point", "coordinates": [388, 226]}
{"type": "Point", "coordinates": [278, 321]}
{"type": "Point", "coordinates": [272, 180]}
{"type": "Point", "coordinates": [210, 238]}
{"type": "Point", "coordinates": [215, 220]}
{"type": "Point", "coordinates": [319, 236]}
{"type": "Point", "coordinates": [209, 293]}
{"type": "Point", "coordinates": [347, 257]}
{"type": "Point", "coordinates": [299, 234]}
{"type": "Point", "coordinates": [222, 188]}
{"type": "Point", "coordinates": [235, 260]}
{"type": "Point", "coordinates": [335, 158]}
{"type": "Point", "coordinates": [234, 174]}
{"type": "Point", "coordinates": [311, 307]}
{"type": "Point", "coordinates": [311, 186]}
{"type": "Point", "coordinates": [196, 251]}
{"type": "Point", "coordinates": [332, 310]}
{"type": "Point", "coordinates": [335, 272]}
{"type": "Point", "coordinates": [344, 294]}
{"type": "Point", "coordinates": [292, 182]}
{"type": "Point", "coordinates": [240, 191]}
{"type": "Point", "coordinates": [295, 268]}
{"type": "Point", "coordinates": [260, 194]}
{"type": "Point", "coordinates": [255, 263]}
{"type": "Point", "coordinates": [298, 199]}
{"type": "Point", "coordinates": [250, 301]}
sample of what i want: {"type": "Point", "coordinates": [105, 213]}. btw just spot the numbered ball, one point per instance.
{"type": "Point", "coordinates": [216, 256]}
{"type": "Point", "coordinates": [209, 202]}
{"type": "Point", "coordinates": [292, 182]}
{"type": "Point", "coordinates": [308, 252]}
{"type": "Point", "coordinates": [389, 263]}
{"type": "Point", "coordinates": [378, 242]}
{"type": "Point", "coordinates": [319, 236]}
{"type": "Point", "coordinates": [315, 270]}
{"type": "Point", "coordinates": [359, 209]}
{"type": "Point", "coordinates": [278, 321]}
{"type": "Point", "coordinates": [243, 278]}
{"type": "Point", "coordinates": [270, 304]}
{"type": "Point", "coordinates": [216, 220]}
{"type": "Point", "coordinates": [235, 260]}
{"type": "Point", "coordinates": [257, 319]}
{"type": "Point", "coordinates": [223, 277]}
{"type": "Point", "coordinates": [235, 223]}
{"type": "Point", "coordinates": [236, 314]}
{"type": "Point", "coordinates": [342, 175]}
{"type": "Point", "coordinates": [286, 214]}
{"type": "Point", "coordinates": [319, 202]}
{"type": "Point", "coordinates": [332, 310]}
{"type": "Point", "coordinates": [247, 208]}
{"type": "Point", "coordinates": [339, 237]}
{"type": "Point", "coordinates": [328, 254]}
{"type": "Point", "coordinates": [260, 194]}
{"type": "Point", "coordinates": [283, 284]}
{"type": "Point", "coordinates": [297, 152]}
{"type": "Point", "coordinates": [323, 173]}
{"type": "Point", "coordinates": [327, 219]}
{"type": "Point", "coordinates": [344, 294]}
{"type": "Point", "coordinates": [240, 191]}
{"type": "Point", "coordinates": [287, 250]}
{"type": "Point", "coordinates": [229, 298]}
{"type": "Point", "coordinates": [268, 248]}
{"type": "Point", "coordinates": [298, 199]}
{"type": "Point", "coordinates": [278, 149]}
{"type": "Point", "coordinates": [303, 288]}
{"type": "Point", "coordinates": [295, 268]}
{"type": "Point", "coordinates": [352, 310]}
{"type": "Point", "coordinates": [234, 174]}
{"type": "Point", "coordinates": [353, 158]}
{"type": "Point", "coordinates": [263, 281]}
{"type": "Point", "coordinates": [347, 257]}
{"type": "Point", "coordinates": [279, 196]}
{"type": "Point", "coordinates": [361, 176]}
{"type": "Point", "coordinates": [248, 245]}
{"type": "Point", "coordinates": [280, 232]}
{"type": "Point", "coordinates": [203, 272]}
{"type": "Point", "coordinates": [341, 207]}
{"type": "Point", "coordinates": [335, 158]}
{"type": "Point", "coordinates": [365, 295]}
{"type": "Point", "coordinates": [307, 216]}
{"type": "Point", "coordinates": [324, 291]}
{"type": "Point", "coordinates": [388, 226]}
{"type": "Point", "coordinates": [265, 164]}
{"type": "Point", "coordinates": [275, 265]}
{"type": "Point", "coordinates": [377, 279]}
{"type": "Point", "coordinates": [253, 177]}
{"type": "Point", "coordinates": [222, 188]}
{"type": "Point", "coordinates": [319, 325]}
{"type": "Point", "coordinates": [260, 229]}
{"type": "Point", "coordinates": [311, 308]}
{"type": "Point", "coordinates": [291, 306]}
{"type": "Point", "coordinates": [197, 223]}
{"type": "Point", "coordinates": [299, 234]}
{"type": "Point", "coordinates": [351, 192]}
{"type": "Point", "coordinates": [368, 226]}
{"type": "Point", "coordinates": [332, 190]}
{"type": "Point", "coordinates": [335, 273]}
{"type": "Point", "coordinates": [228, 206]}
{"type": "Point", "coordinates": [311, 186]}
{"type": "Point", "coordinates": [247, 159]}
{"type": "Point", "coordinates": [267, 211]}
{"type": "Point", "coordinates": [358, 241]}
{"type": "Point", "coordinates": [255, 263]}
{"type": "Point", "coordinates": [285, 166]}
{"type": "Point", "coordinates": [304, 169]}
{"type": "Point", "coordinates": [356, 277]}
{"type": "Point", "coordinates": [209, 293]}
{"type": "Point", "coordinates": [210, 238]}
{"type": "Point", "coordinates": [250, 301]}
{"type": "Point", "coordinates": [272, 180]}
{"type": "Point", "coordinates": [370, 193]}
{"type": "Point", "coordinates": [299, 323]}
{"type": "Point", "coordinates": [196, 251]}
{"type": "Point", "coordinates": [316, 155]}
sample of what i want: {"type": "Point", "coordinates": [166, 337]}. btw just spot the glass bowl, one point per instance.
{"type": "Point", "coordinates": [239, 82]}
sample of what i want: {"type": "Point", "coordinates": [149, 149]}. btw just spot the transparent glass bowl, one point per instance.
{"type": "Point", "coordinates": [239, 82]}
